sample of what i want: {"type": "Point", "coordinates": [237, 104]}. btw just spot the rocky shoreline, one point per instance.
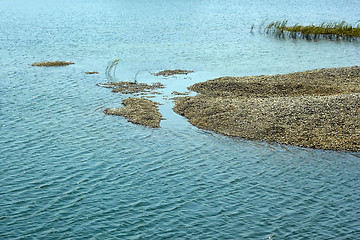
{"type": "Point", "coordinates": [314, 109]}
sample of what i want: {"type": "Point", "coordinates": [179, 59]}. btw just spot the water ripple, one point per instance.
{"type": "Point", "coordinates": [68, 171]}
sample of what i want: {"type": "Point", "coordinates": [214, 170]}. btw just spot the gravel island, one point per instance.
{"type": "Point", "coordinates": [314, 109]}
{"type": "Point", "coordinates": [138, 111]}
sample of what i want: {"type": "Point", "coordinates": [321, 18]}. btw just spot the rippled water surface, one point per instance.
{"type": "Point", "coordinates": [67, 171]}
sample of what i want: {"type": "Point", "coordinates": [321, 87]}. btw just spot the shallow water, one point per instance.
{"type": "Point", "coordinates": [69, 171]}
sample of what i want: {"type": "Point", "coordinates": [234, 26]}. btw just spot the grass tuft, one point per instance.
{"type": "Point", "coordinates": [333, 30]}
{"type": "Point", "coordinates": [111, 66]}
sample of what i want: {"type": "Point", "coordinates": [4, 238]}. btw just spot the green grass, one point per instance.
{"type": "Point", "coordinates": [333, 30]}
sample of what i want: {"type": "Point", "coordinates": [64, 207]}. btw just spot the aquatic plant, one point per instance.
{"type": "Point", "coordinates": [332, 30]}
{"type": "Point", "coordinates": [252, 28]}
{"type": "Point", "coordinates": [51, 64]}
{"type": "Point", "coordinates": [111, 67]}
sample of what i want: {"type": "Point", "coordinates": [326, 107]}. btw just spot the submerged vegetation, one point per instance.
{"type": "Point", "coordinates": [332, 30]}
{"type": "Point", "coordinates": [111, 67]}
{"type": "Point", "coordinates": [52, 64]}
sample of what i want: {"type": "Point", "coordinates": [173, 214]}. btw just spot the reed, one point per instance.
{"type": "Point", "coordinates": [332, 30]}
{"type": "Point", "coordinates": [111, 67]}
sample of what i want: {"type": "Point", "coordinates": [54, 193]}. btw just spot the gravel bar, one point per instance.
{"type": "Point", "coordinates": [314, 109]}
{"type": "Point", "coordinates": [138, 111]}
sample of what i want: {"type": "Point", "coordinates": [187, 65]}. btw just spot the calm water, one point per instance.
{"type": "Point", "coordinates": [67, 171]}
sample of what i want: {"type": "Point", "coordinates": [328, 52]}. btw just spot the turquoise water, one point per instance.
{"type": "Point", "coordinates": [67, 171]}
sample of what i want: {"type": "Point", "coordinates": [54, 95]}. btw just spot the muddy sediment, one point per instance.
{"type": "Point", "coordinates": [315, 109]}
{"type": "Point", "coordinates": [138, 111]}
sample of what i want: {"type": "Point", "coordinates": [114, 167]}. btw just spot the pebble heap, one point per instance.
{"type": "Point", "coordinates": [131, 87]}
{"type": "Point", "coordinates": [315, 109]}
{"type": "Point", "coordinates": [138, 111]}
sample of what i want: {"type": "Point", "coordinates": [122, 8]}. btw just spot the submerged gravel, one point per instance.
{"type": "Point", "coordinates": [316, 109]}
